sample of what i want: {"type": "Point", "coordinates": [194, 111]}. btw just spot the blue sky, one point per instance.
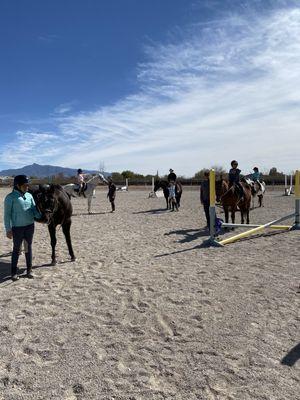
{"type": "Point", "coordinates": [148, 85]}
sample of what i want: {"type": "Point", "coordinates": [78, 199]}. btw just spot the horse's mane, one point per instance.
{"type": "Point", "coordinates": [56, 186]}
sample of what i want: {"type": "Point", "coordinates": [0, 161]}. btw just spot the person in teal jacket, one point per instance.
{"type": "Point", "coordinates": [19, 213]}
{"type": "Point", "coordinates": [256, 175]}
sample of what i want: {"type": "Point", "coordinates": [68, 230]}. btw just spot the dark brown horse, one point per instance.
{"type": "Point", "coordinates": [230, 198]}
{"type": "Point", "coordinates": [56, 209]}
{"type": "Point", "coordinates": [164, 186]}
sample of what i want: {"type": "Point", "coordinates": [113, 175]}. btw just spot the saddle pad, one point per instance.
{"type": "Point", "coordinates": [159, 193]}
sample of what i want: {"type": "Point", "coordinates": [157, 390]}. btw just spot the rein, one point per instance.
{"type": "Point", "coordinates": [227, 191]}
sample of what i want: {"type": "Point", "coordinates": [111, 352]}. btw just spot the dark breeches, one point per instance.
{"type": "Point", "coordinates": [112, 202]}
{"type": "Point", "coordinates": [206, 210]}
{"type": "Point", "coordinates": [20, 233]}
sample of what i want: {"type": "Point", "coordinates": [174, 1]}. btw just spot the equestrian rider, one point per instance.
{"type": "Point", "coordinates": [80, 181]}
{"type": "Point", "coordinates": [172, 176]}
{"type": "Point", "coordinates": [234, 178]}
{"type": "Point", "coordinates": [204, 196]}
{"type": "Point", "coordinates": [256, 176]}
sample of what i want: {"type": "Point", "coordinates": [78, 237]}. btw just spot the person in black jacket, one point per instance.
{"type": "Point", "coordinates": [234, 177]}
{"type": "Point", "coordinates": [172, 176]}
{"type": "Point", "coordinates": [204, 196]}
{"type": "Point", "coordinates": [111, 193]}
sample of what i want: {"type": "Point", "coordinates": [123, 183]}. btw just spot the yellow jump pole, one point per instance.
{"type": "Point", "coordinates": [297, 200]}
{"type": "Point", "coordinates": [255, 230]}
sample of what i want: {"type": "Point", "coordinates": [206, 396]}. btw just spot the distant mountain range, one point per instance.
{"type": "Point", "coordinates": [44, 171]}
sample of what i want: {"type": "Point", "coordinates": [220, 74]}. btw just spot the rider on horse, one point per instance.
{"type": "Point", "coordinates": [80, 181]}
{"type": "Point", "coordinates": [234, 179]}
{"type": "Point", "coordinates": [256, 176]}
{"type": "Point", "coordinates": [172, 176]}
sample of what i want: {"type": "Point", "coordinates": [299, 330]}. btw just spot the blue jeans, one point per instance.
{"type": "Point", "coordinates": [20, 233]}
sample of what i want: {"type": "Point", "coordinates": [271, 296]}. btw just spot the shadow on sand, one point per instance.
{"type": "Point", "coordinates": [292, 356]}
{"type": "Point", "coordinates": [153, 211]}
{"type": "Point", "coordinates": [5, 271]}
{"type": "Point", "coordinates": [5, 268]}
{"type": "Point", "coordinates": [189, 234]}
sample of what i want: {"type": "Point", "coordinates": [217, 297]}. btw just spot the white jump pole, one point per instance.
{"type": "Point", "coordinates": [126, 183]}
{"type": "Point", "coordinates": [152, 188]}
{"type": "Point", "coordinates": [297, 200]}
{"type": "Point", "coordinates": [246, 226]}
{"type": "Point", "coordinates": [255, 230]}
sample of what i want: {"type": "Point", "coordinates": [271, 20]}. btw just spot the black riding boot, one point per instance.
{"type": "Point", "coordinates": [28, 257]}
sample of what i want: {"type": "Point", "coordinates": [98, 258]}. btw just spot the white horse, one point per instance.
{"type": "Point", "coordinates": [89, 191]}
{"type": "Point", "coordinates": [258, 189]}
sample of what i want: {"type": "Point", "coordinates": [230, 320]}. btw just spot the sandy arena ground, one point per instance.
{"type": "Point", "coordinates": [147, 313]}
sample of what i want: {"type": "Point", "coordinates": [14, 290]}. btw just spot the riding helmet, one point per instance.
{"type": "Point", "coordinates": [79, 171]}
{"type": "Point", "coordinates": [255, 169]}
{"type": "Point", "coordinates": [20, 180]}
{"type": "Point", "coordinates": [233, 162]}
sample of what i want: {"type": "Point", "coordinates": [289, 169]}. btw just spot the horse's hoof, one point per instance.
{"type": "Point", "coordinates": [53, 263]}
{"type": "Point", "coordinates": [73, 259]}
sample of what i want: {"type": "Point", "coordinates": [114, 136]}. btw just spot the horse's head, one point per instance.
{"type": "Point", "coordinates": [102, 178]}
{"type": "Point", "coordinates": [157, 184]}
{"type": "Point", "coordinates": [46, 201]}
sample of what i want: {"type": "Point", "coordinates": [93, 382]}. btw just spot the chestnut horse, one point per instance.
{"type": "Point", "coordinates": [229, 197]}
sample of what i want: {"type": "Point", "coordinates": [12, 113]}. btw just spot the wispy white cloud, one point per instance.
{"type": "Point", "coordinates": [48, 38]}
{"type": "Point", "coordinates": [29, 147]}
{"type": "Point", "coordinates": [227, 89]}
{"type": "Point", "coordinates": [64, 108]}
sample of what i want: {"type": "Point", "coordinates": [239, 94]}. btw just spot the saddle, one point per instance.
{"type": "Point", "coordinates": [239, 191]}
{"type": "Point", "coordinates": [81, 190]}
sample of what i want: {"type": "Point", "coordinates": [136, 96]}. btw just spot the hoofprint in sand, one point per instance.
{"type": "Point", "coordinates": [147, 313]}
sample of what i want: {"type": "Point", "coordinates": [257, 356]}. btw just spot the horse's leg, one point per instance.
{"type": "Point", "coordinates": [247, 214]}
{"type": "Point", "coordinates": [260, 200]}
{"type": "Point", "coordinates": [178, 199]}
{"type": "Point", "coordinates": [89, 204]}
{"type": "Point", "coordinates": [226, 214]}
{"type": "Point", "coordinates": [242, 215]}
{"type": "Point", "coordinates": [233, 215]}
{"type": "Point", "coordinates": [66, 226]}
{"type": "Point", "coordinates": [167, 200]}
{"type": "Point", "coordinates": [52, 232]}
